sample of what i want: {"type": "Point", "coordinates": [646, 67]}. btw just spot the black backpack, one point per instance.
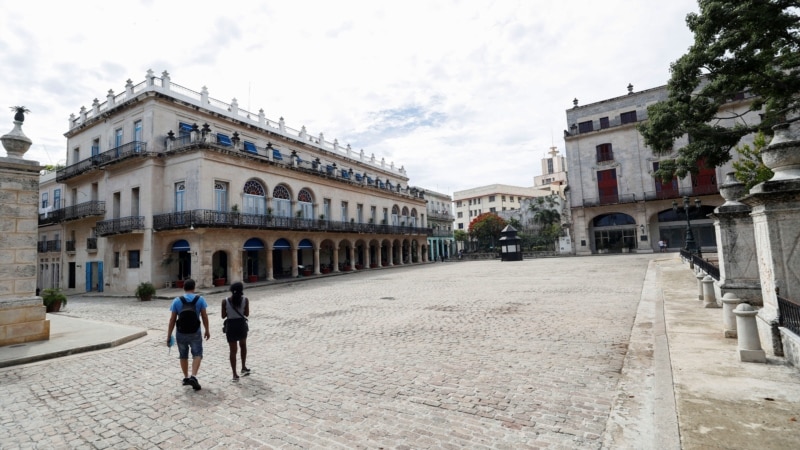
{"type": "Point", "coordinates": [188, 322]}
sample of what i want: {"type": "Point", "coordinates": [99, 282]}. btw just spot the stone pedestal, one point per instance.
{"type": "Point", "coordinates": [776, 214]}
{"type": "Point", "coordinates": [736, 246]}
{"type": "Point", "coordinates": [22, 314]}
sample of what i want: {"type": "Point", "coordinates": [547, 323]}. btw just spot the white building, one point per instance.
{"type": "Point", "coordinates": [616, 203]}
{"type": "Point", "coordinates": [441, 242]}
{"type": "Point", "coordinates": [163, 183]}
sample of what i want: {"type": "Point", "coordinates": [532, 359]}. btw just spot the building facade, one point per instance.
{"type": "Point", "coordinates": [163, 183]}
{"type": "Point", "coordinates": [554, 173]}
{"type": "Point", "coordinates": [616, 203]}
{"type": "Point", "coordinates": [441, 243]}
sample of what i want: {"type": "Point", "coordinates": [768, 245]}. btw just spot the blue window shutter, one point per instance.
{"type": "Point", "coordinates": [88, 267]}
{"type": "Point", "coordinates": [100, 276]}
{"type": "Point", "coordinates": [223, 139]}
{"type": "Point", "coordinates": [250, 147]}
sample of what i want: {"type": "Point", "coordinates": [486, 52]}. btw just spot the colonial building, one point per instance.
{"type": "Point", "coordinates": [616, 203]}
{"type": "Point", "coordinates": [50, 243]}
{"type": "Point", "coordinates": [163, 183]}
{"type": "Point", "coordinates": [471, 203]}
{"type": "Point", "coordinates": [440, 220]}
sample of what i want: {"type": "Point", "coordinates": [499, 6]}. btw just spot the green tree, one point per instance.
{"type": "Point", "coordinates": [739, 46]}
{"type": "Point", "coordinates": [486, 229]}
{"type": "Point", "coordinates": [545, 210]}
{"type": "Point", "coordinates": [750, 170]}
{"type": "Point", "coordinates": [461, 236]}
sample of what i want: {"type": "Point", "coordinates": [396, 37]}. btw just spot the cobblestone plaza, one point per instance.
{"type": "Point", "coordinates": [483, 354]}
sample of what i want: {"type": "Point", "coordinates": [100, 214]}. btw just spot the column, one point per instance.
{"type": "Point", "coordinates": [736, 246]}
{"type": "Point", "coordinates": [22, 313]}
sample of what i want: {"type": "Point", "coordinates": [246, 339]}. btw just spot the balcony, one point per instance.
{"type": "Point", "coordinates": [684, 191]}
{"type": "Point", "coordinates": [70, 247]}
{"type": "Point", "coordinates": [74, 212]}
{"type": "Point", "coordinates": [203, 218]}
{"type": "Point", "coordinates": [120, 226]}
{"type": "Point", "coordinates": [121, 153]}
{"type": "Point", "coordinates": [609, 200]}
{"type": "Point", "coordinates": [48, 246]}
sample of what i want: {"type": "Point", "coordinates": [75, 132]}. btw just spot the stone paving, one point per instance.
{"type": "Point", "coordinates": [479, 355]}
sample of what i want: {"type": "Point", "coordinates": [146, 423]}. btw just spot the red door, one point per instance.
{"type": "Point", "coordinates": [607, 186]}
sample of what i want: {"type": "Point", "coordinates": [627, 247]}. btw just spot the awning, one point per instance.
{"type": "Point", "coordinates": [281, 244]}
{"type": "Point", "coordinates": [181, 246]}
{"type": "Point", "coordinates": [250, 147]}
{"type": "Point", "coordinates": [305, 243]}
{"type": "Point", "coordinates": [254, 244]}
{"type": "Point", "coordinates": [185, 127]}
{"type": "Point", "coordinates": [223, 139]}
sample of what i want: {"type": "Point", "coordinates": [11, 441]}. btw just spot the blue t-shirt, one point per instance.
{"type": "Point", "coordinates": [199, 305]}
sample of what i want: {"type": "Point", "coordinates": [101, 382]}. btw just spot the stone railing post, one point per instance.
{"type": "Point", "coordinates": [699, 275]}
{"type": "Point", "coordinates": [709, 296]}
{"type": "Point", "coordinates": [729, 303]}
{"type": "Point", "coordinates": [747, 331]}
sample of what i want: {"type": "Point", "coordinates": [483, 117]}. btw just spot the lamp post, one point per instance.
{"type": "Point", "coordinates": [691, 245]}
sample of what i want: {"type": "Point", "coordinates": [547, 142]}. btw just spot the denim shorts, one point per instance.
{"type": "Point", "coordinates": [189, 340]}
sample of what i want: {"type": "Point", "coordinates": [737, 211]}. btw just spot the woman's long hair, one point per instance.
{"type": "Point", "coordinates": [237, 289]}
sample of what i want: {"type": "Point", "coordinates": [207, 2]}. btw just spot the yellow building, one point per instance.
{"type": "Point", "coordinates": [163, 183]}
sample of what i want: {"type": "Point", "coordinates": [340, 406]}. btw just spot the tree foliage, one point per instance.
{"type": "Point", "coordinates": [487, 227]}
{"type": "Point", "coordinates": [750, 169]}
{"type": "Point", "coordinates": [739, 46]}
{"type": "Point", "coordinates": [545, 210]}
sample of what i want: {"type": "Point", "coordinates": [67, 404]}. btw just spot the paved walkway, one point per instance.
{"type": "Point", "coordinates": [592, 352]}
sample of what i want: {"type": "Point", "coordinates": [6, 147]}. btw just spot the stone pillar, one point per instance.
{"type": "Point", "coordinates": [736, 245]}
{"type": "Point", "coordinates": [699, 275]}
{"type": "Point", "coordinates": [776, 212]}
{"type": "Point", "coordinates": [22, 314]}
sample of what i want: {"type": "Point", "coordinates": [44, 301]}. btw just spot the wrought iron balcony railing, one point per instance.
{"type": "Point", "coordinates": [91, 244]}
{"type": "Point", "coordinates": [125, 151]}
{"type": "Point", "coordinates": [120, 226]}
{"type": "Point", "coordinates": [70, 246]}
{"type": "Point", "coordinates": [203, 218]}
{"type": "Point", "coordinates": [74, 212]}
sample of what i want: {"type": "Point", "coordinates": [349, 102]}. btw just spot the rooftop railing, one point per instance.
{"type": "Point", "coordinates": [164, 84]}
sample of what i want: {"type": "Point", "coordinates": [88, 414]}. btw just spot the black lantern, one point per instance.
{"type": "Point", "coordinates": [510, 245]}
{"type": "Point", "coordinates": [691, 245]}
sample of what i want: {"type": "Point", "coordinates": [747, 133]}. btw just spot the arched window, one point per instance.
{"type": "Point", "coordinates": [255, 199]}
{"type": "Point", "coordinates": [180, 188]}
{"type": "Point", "coordinates": [413, 219]}
{"type": "Point", "coordinates": [220, 196]}
{"type": "Point", "coordinates": [305, 203]}
{"type": "Point", "coordinates": [283, 201]}
{"type": "Point", "coordinates": [395, 215]}
{"type": "Point", "coordinates": [404, 219]}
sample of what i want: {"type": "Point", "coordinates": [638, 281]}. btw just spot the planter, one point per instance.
{"type": "Point", "coordinates": [347, 268]}
{"type": "Point", "coordinates": [179, 284]}
{"type": "Point", "coordinates": [373, 266]}
{"type": "Point", "coordinates": [252, 278]}
{"type": "Point", "coordinates": [306, 272]}
{"type": "Point", "coordinates": [220, 281]}
{"type": "Point", "coordinates": [146, 298]}
{"type": "Point", "coordinates": [53, 307]}
{"type": "Point", "coordinates": [359, 266]}
{"type": "Point", "coordinates": [326, 270]}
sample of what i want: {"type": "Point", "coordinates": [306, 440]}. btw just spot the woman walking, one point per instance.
{"type": "Point", "coordinates": [235, 310]}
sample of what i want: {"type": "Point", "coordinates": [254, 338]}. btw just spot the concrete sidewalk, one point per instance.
{"type": "Point", "coordinates": [69, 335]}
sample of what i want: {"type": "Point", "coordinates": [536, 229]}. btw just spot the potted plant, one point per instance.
{"type": "Point", "coordinates": [219, 276]}
{"type": "Point", "coordinates": [145, 291]}
{"type": "Point", "coordinates": [53, 298]}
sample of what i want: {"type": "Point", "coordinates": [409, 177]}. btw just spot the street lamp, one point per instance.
{"type": "Point", "coordinates": [691, 245]}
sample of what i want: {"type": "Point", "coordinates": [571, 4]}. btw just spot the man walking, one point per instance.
{"type": "Point", "coordinates": [186, 312]}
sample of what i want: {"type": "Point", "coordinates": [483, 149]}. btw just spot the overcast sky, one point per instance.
{"type": "Point", "coordinates": [460, 93]}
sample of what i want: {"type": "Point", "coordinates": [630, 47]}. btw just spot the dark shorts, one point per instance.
{"type": "Point", "coordinates": [186, 341]}
{"type": "Point", "coordinates": [237, 330]}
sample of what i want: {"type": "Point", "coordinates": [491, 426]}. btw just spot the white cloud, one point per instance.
{"type": "Point", "coordinates": [462, 93]}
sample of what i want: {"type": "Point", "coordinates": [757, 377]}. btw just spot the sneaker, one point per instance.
{"type": "Point", "coordinates": [194, 383]}
{"type": "Point", "coordinates": [235, 378]}
{"type": "Point", "coordinates": [186, 382]}
{"type": "Point", "coordinates": [245, 372]}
